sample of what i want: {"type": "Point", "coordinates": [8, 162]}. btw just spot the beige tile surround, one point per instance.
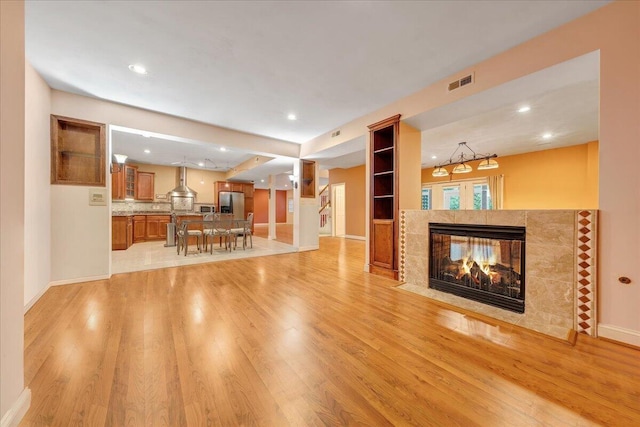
{"type": "Point", "coordinates": [552, 257]}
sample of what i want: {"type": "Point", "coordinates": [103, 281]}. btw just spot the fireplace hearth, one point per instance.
{"type": "Point", "coordinates": [483, 263]}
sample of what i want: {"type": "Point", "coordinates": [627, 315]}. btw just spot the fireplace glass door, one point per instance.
{"type": "Point", "coordinates": [482, 263]}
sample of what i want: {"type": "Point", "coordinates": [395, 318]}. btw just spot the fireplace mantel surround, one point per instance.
{"type": "Point", "coordinates": [560, 265]}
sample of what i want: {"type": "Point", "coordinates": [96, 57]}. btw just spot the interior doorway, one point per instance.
{"type": "Point", "coordinates": [338, 210]}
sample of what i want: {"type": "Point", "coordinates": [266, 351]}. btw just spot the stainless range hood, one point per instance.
{"type": "Point", "coordinates": [182, 197]}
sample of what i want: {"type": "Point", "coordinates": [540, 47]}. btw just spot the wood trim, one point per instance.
{"type": "Point", "coordinates": [386, 122]}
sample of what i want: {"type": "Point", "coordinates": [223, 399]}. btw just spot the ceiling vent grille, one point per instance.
{"type": "Point", "coordinates": [466, 80]}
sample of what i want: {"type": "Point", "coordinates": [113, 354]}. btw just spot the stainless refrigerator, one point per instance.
{"type": "Point", "coordinates": [231, 202]}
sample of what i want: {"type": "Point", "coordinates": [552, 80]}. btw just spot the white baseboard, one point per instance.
{"type": "Point", "coordinates": [308, 248]}
{"type": "Point", "coordinates": [35, 299]}
{"type": "Point", "coordinates": [79, 280]}
{"type": "Point", "coordinates": [619, 334]}
{"type": "Point", "coordinates": [14, 415]}
{"type": "Point", "coordinates": [349, 236]}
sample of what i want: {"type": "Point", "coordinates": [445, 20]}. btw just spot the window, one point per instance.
{"type": "Point", "coordinates": [451, 196]}
{"type": "Point", "coordinates": [426, 198]}
{"type": "Point", "coordinates": [457, 195]}
{"type": "Point", "coordinates": [481, 197]}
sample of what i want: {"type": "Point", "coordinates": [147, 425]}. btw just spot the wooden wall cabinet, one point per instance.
{"type": "Point", "coordinates": [308, 182]}
{"type": "Point", "coordinates": [117, 184]}
{"type": "Point", "coordinates": [145, 186]}
{"type": "Point", "coordinates": [78, 151]}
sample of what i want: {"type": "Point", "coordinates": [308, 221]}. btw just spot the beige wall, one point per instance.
{"type": "Point", "coordinates": [562, 178]}
{"type": "Point", "coordinates": [613, 30]}
{"type": "Point", "coordinates": [355, 197]}
{"type": "Point", "coordinates": [37, 191]}
{"type": "Point", "coordinates": [166, 179]}
{"type": "Point", "coordinates": [12, 186]}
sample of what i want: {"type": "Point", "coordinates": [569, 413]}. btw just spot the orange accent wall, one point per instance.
{"type": "Point", "coordinates": [561, 178]}
{"type": "Point", "coordinates": [355, 197]}
{"type": "Point", "coordinates": [260, 206]}
{"type": "Point", "coordinates": [281, 206]}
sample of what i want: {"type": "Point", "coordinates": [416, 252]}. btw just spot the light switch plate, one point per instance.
{"type": "Point", "coordinates": [97, 196]}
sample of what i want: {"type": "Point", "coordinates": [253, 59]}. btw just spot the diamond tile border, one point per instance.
{"type": "Point", "coordinates": [586, 275]}
{"type": "Point", "coordinates": [403, 246]}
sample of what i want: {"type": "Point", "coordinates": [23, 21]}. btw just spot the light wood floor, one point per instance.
{"type": "Point", "coordinates": [303, 339]}
{"type": "Point", "coordinates": [284, 232]}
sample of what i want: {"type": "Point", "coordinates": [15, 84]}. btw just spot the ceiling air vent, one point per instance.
{"type": "Point", "coordinates": [462, 82]}
{"type": "Point", "coordinates": [334, 134]}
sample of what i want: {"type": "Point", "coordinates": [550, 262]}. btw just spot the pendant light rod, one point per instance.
{"type": "Point", "coordinates": [461, 160]}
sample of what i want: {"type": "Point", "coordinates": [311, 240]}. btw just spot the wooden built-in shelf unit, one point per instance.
{"type": "Point", "coordinates": [308, 179]}
{"type": "Point", "coordinates": [383, 202]}
{"type": "Point", "coordinates": [77, 152]}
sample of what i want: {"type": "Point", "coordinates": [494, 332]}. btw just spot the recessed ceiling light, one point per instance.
{"type": "Point", "coordinates": [223, 149]}
{"type": "Point", "coordinates": [434, 157]}
{"type": "Point", "coordinates": [291, 116]}
{"type": "Point", "coordinates": [286, 185]}
{"type": "Point", "coordinates": [136, 68]}
{"type": "Point", "coordinates": [147, 151]}
{"type": "Point", "coordinates": [524, 109]}
{"type": "Point", "coordinates": [262, 180]}
{"type": "Point", "coordinates": [201, 164]}
{"type": "Point", "coordinates": [547, 135]}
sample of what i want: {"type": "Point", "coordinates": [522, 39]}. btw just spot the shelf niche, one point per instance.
{"type": "Point", "coordinates": [77, 152]}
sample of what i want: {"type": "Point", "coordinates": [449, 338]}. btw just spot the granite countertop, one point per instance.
{"type": "Point", "coordinates": [156, 213]}
{"type": "Point", "coordinates": [140, 213]}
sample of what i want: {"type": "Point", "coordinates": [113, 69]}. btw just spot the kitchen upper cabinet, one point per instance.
{"type": "Point", "coordinates": [123, 183]}
{"type": "Point", "coordinates": [130, 173]}
{"type": "Point", "coordinates": [145, 186]}
{"type": "Point", "coordinates": [129, 183]}
{"type": "Point", "coordinates": [117, 184]}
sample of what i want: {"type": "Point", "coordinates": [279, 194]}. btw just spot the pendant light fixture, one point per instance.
{"type": "Point", "coordinates": [461, 161]}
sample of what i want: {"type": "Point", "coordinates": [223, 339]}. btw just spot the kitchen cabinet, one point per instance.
{"type": "Point", "coordinates": [130, 173]}
{"type": "Point", "coordinates": [123, 183]}
{"type": "Point", "coordinates": [117, 184]}
{"type": "Point", "coordinates": [145, 185]}
{"type": "Point", "coordinates": [139, 228]}
{"type": "Point", "coordinates": [121, 232]}
{"type": "Point", "coordinates": [156, 228]}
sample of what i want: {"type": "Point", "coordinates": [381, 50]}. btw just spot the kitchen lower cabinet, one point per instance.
{"type": "Point", "coordinates": [139, 228]}
{"type": "Point", "coordinates": [156, 228]}
{"type": "Point", "coordinates": [121, 232]}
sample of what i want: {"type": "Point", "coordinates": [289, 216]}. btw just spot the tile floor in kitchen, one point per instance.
{"type": "Point", "coordinates": [152, 255]}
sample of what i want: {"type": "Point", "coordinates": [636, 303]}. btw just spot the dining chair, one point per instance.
{"type": "Point", "coordinates": [184, 233]}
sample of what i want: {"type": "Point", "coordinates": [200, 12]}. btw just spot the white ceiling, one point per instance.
{"type": "Point", "coordinates": [246, 65]}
